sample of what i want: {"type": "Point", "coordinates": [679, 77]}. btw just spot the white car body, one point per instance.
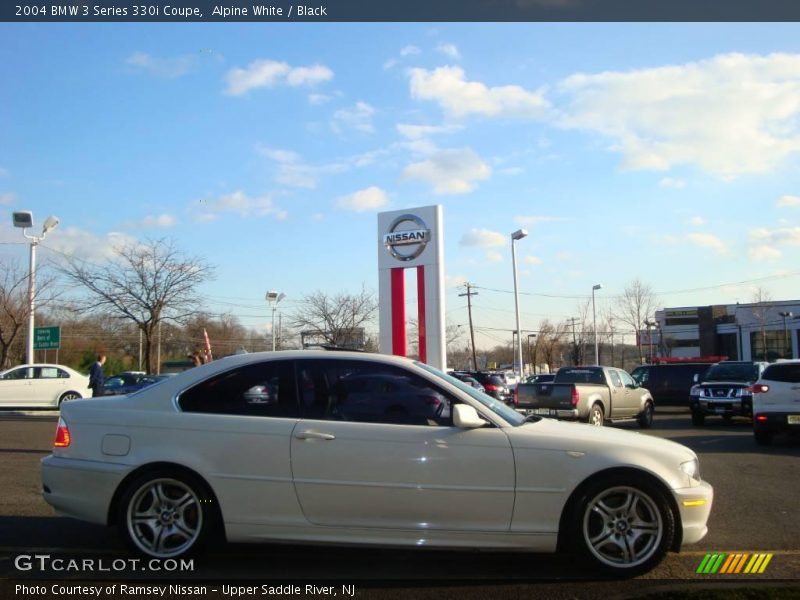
{"type": "Point", "coordinates": [496, 483]}
{"type": "Point", "coordinates": [776, 401]}
{"type": "Point", "coordinates": [41, 386]}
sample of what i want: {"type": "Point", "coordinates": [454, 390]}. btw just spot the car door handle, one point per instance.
{"type": "Point", "coordinates": [314, 435]}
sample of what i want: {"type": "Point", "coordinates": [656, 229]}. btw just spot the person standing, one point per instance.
{"type": "Point", "coordinates": [97, 377]}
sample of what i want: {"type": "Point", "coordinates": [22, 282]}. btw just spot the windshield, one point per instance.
{"type": "Point", "coordinates": [506, 413]}
{"type": "Point", "coordinates": [732, 372]}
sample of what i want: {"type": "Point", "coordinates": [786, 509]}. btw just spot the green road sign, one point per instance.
{"type": "Point", "coordinates": [47, 338]}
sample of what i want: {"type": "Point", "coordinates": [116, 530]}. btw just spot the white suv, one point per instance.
{"type": "Point", "coordinates": [776, 401]}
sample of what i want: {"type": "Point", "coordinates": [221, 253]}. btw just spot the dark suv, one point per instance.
{"type": "Point", "coordinates": [670, 383]}
{"type": "Point", "coordinates": [726, 390]}
{"type": "Point", "coordinates": [494, 384]}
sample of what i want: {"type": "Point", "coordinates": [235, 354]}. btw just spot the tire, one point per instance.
{"type": "Point", "coordinates": [66, 396]}
{"type": "Point", "coordinates": [645, 418]}
{"type": "Point", "coordinates": [763, 438]}
{"type": "Point", "coordinates": [596, 416]}
{"type": "Point", "coordinates": [166, 514]}
{"type": "Point", "coordinates": [623, 526]}
{"type": "Point", "coordinates": [698, 418]}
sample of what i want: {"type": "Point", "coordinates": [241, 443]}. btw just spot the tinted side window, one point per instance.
{"type": "Point", "coordinates": [263, 389]}
{"type": "Point", "coordinates": [351, 390]}
{"type": "Point", "coordinates": [615, 380]}
{"type": "Point", "coordinates": [788, 373]}
{"type": "Point", "coordinates": [641, 375]}
{"type": "Point", "coordinates": [627, 379]}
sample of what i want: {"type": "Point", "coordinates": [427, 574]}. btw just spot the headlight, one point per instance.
{"type": "Point", "coordinates": [691, 468]}
{"type": "Point", "coordinates": [695, 391]}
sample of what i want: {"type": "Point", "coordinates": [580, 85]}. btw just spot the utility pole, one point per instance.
{"type": "Point", "coordinates": [572, 321]}
{"type": "Point", "coordinates": [469, 293]}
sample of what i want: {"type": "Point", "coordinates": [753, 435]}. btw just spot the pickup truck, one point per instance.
{"type": "Point", "coordinates": [593, 395]}
{"type": "Point", "coordinates": [725, 391]}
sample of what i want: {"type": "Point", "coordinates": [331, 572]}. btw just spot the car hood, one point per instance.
{"type": "Point", "coordinates": [581, 437]}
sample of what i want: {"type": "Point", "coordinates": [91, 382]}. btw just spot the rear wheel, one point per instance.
{"type": "Point", "coordinates": [623, 525]}
{"type": "Point", "coordinates": [646, 416]}
{"type": "Point", "coordinates": [596, 416]}
{"type": "Point", "coordinates": [763, 438]}
{"type": "Point", "coordinates": [166, 514]}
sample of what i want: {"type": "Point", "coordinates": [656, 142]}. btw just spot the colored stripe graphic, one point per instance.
{"type": "Point", "coordinates": [733, 563]}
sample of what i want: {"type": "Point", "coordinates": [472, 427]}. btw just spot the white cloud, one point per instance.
{"type": "Point", "coordinates": [484, 238]}
{"type": "Point", "coordinates": [763, 252]}
{"type": "Point", "coordinates": [240, 203]}
{"type": "Point", "coordinates": [708, 240]}
{"type": "Point", "coordinates": [317, 99]}
{"type": "Point", "coordinates": [416, 132]}
{"type": "Point", "coordinates": [169, 68]}
{"type": "Point", "coordinates": [787, 201]}
{"type": "Point", "coordinates": [83, 244]}
{"type": "Point", "coordinates": [669, 182]}
{"type": "Point", "coordinates": [410, 51]}
{"type": "Point", "coordinates": [729, 115]}
{"type": "Point", "coordinates": [162, 221]}
{"type": "Point", "coordinates": [271, 73]}
{"type": "Point", "coordinates": [532, 260]}
{"type": "Point", "coordinates": [452, 281]}
{"type": "Point", "coordinates": [371, 198]}
{"type": "Point", "coordinates": [7, 198]}
{"type": "Point", "coordinates": [3, 172]}
{"type": "Point", "coordinates": [460, 98]}
{"type": "Point", "coordinates": [449, 171]}
{"type": "Point", "coordinates": [697, 221]}
{"type": "Point", "coordinates": [494, 257]}
{"type": "Point", "coordinates": [449, 50]}
{"type": "Point", "coordinates": [789, 236]}
{"type": "Point", "coordinates": [359, 118]}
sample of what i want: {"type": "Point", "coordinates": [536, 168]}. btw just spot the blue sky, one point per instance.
{"type": "Point", "coordinates": [668, 152]}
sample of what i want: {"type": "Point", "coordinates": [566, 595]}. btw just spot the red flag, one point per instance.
{"type": "Point", "coordinates": [209, 357]}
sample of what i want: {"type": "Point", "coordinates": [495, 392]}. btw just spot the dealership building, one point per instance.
{"type": "Point", "coordinates": [763, 331]}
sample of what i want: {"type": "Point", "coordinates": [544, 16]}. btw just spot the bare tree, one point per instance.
{"type": "Point", "coordinates": [147, 283]}
{"type": "Point", "coordinates": [550, 342]}
{"type": "Point", "coordinates": [637, 304]}
{"type": "Point", "coordinates": [337, 320]}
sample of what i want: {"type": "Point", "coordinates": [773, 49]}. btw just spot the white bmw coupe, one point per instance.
{"type": "Point", "coordinates": [345, 447]}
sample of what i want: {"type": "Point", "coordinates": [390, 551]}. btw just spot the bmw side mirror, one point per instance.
{"type": "Point", "coordinates": [466, 417]}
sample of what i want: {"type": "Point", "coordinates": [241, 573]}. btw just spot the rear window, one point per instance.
{"type": "Point", "coordinates": [788, 373]}
{"type": "Point", "coordinates": [580, 376]}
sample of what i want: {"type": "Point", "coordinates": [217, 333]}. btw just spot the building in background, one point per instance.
{"type": "Point", "coordinates": [763, 331]}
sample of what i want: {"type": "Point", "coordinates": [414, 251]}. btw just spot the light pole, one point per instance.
{"type": "Point", "coordinates": [786, 344]}
{"type": "Point", "coordinates": [516, 236]}
{"type": "Point", "coordinates": [532, 356]}
{"type": "Point", "coordinates": [273, 298]}
{"type": "Point", "coordinates": [649, 324]}
{"type": "Point", "coordinates": [24, 219]}
{"type": "Point", "coordinates": [595, 287]}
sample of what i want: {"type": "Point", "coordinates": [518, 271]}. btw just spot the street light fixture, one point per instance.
{"type": "Point", "coordinates": [24, 220]}
{"type": "Point", "coordinates": [515, 237]}
{"type": "Point", "coordinates": [786, 344]}
{"type": "Point", "coordinates": [595, 287]}
{"type": "Point", "coordinates": [273, 298]}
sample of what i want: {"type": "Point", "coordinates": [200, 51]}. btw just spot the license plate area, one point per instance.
{"type": "Point", "coordinates": [793, 419]}
{"type": "Point", "coordinates": [540, 411]}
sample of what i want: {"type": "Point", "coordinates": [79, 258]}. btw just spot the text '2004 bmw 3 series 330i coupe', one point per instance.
{"type": "Point", "coordinates": [339, 447]}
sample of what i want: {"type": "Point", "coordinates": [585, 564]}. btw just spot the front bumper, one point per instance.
{"type": "Point", "coordinates": [81, 489]}
{"type": "Point", "coordinates": [694, 505]}
{"type": "Point", "coordinates": [742, 407]}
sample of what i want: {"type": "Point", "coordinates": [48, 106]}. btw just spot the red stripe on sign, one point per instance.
{"type": "Point", "coordinates": [399, 344]}
{"type": "Point", "coordinates": [423, 344]}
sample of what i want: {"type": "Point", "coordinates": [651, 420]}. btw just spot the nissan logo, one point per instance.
{"type": "Point", "coordinates": [413, 241]}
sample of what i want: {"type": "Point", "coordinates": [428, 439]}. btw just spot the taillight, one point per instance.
{"type": "Point", "coordinates": [576, 397]}
{"type": "Point", "coordinates": [516, 396]}
{"type": "Point", "coordinates": [490, 388]}
{"type": "Point", "coordinates": [431, 400]}
{"type": "Point", "coordinates": [761, 417]}
{"type": "Point", "coordinates": [760, 388]}
{"type": "Point", "coordinates": [62, 435]}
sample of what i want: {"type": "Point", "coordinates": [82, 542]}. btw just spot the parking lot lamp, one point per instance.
{"type": "Point", "coordinates": [532, 356]}
{"type": "Point", "coordinates": [786, 343]}
{"type": "Point", "coordinates": [595, 287]}
{"type": "Point", "coordinates": [24, 220]}
{"type": "Point", "coordinates": [516, 236]}
{"type": "Point", "coordinates": [273, 298]}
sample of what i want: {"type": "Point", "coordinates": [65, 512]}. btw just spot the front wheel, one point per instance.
{"type": "Point", "coordinates": [66, 396]}
{"type": "Point", "coordinates": [646, 416]}
{"type": "Point", "coordinates": [165, 514]}
{"type": "Point", "coordinates": [625, 525]}
{"type": "Point", "coordinates": [698, 418]}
